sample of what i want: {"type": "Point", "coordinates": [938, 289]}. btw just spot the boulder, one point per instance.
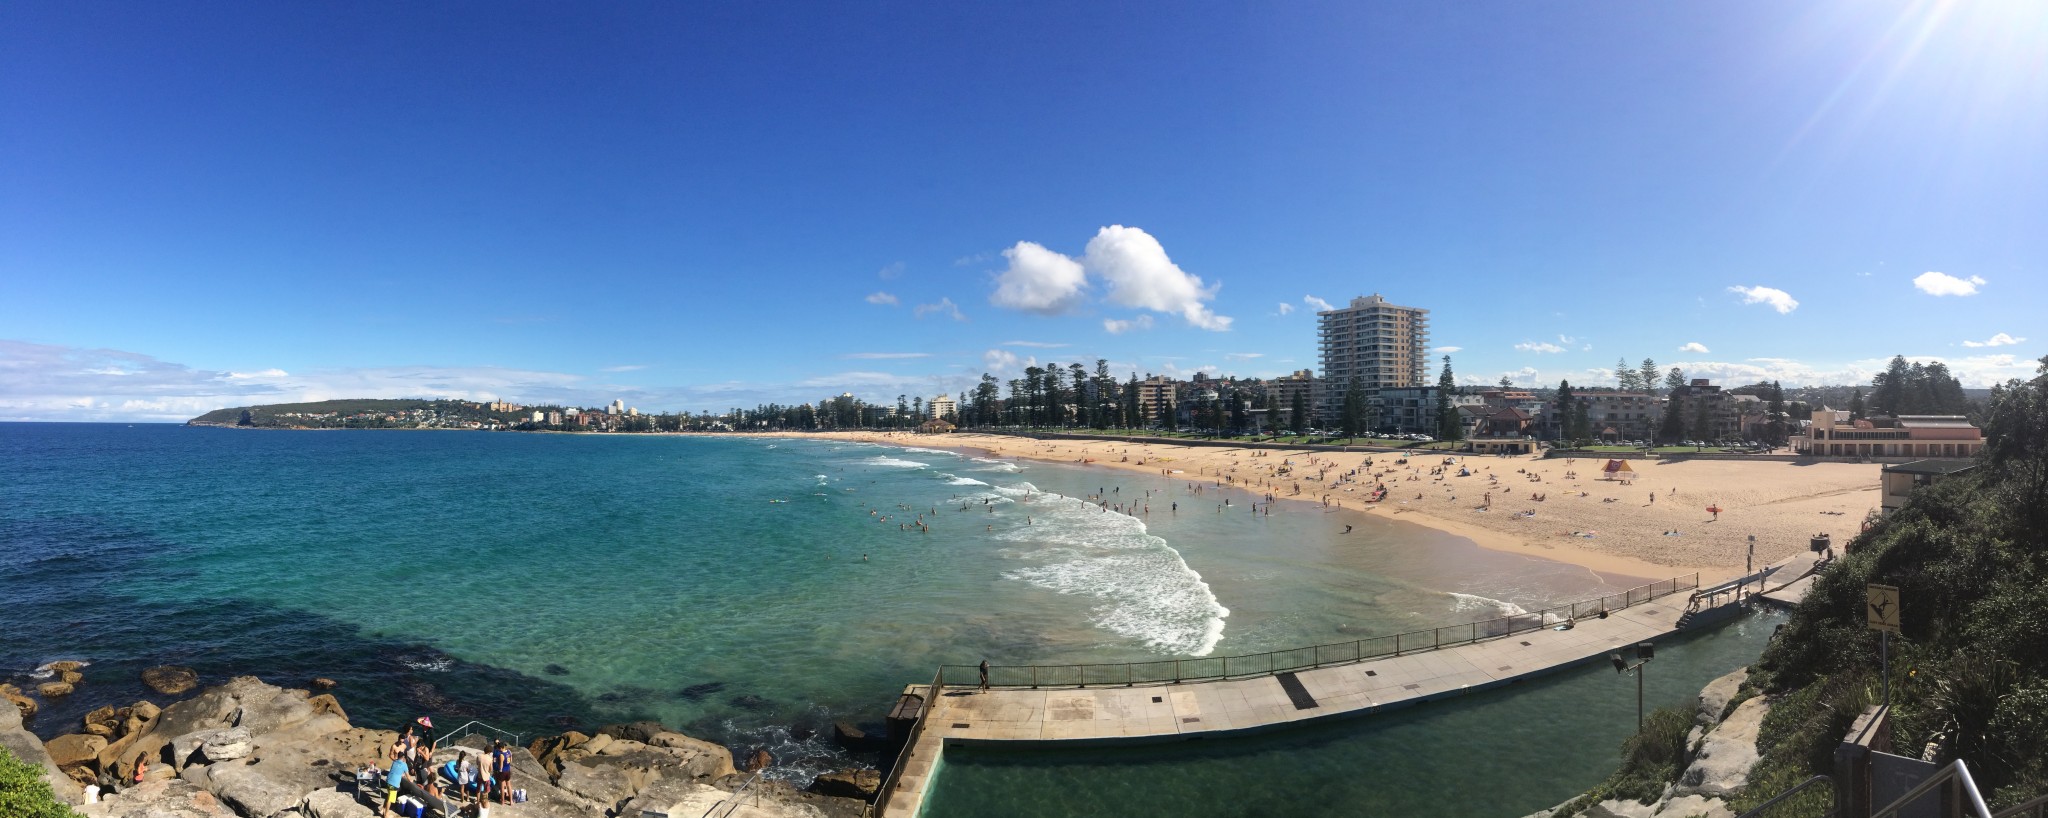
{"type": "Point", "coordinates": [251, 791]}
{"type": "Point", "coordinates": [596, 744]}
{"type": "Point", "coordinates": [101, 730]}
{"type": "Point", "coordinates": [145, 710]}
{"type": "Point", "coordinates": [76, 750]}
{"type": "Point", "coordinates": [63, 665]}
{"type": "Point", "coordinates": [103, 715]}
{"type": "Point", "coordinates": [860, 784]}
{"type": "Point", "coordinates": [334, 804]}
{"type": "Point", "coordinates": [640, 731]}
{"type": "Point", "coordinates": [226, 745]}
{"type": "Point", "coordinates": [159, 799]}
{"type": "Point", "coordinates": [848, 735]}
{"type": "Point", "coordinates": [325, 703]}
{"type": "Point", "coordinates": [324, 683]}
{"type": "Point", "coordinates": [53, 690]}
{"type": "Point", "coordinates": [25, 706]}
{"type": "Point", "coordinates": [1721, 766]}
{"type": "Point", "coordinates": [760, 760]}
{"type": "Point", "coordinates": [170, 680]}
{"type": "Point", "coordinates": [70, 677]}
{"type": "Point", "coordinates": [1714, 698]}
{"type": "Point", "coordinates": [712, 760]}
{"type": "Point", "coordinates": [607, 784]}
{"type": "Point", "coordinates": [25, 746]}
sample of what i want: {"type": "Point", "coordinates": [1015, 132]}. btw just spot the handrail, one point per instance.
{"type": "Point", "coordinates": [888, 788]}
{"type": "Point", "coordinates": [2030, 806]}
{"type": "Point", "coordinates": [1955, 771]}
{"type": "Point", "coordinates": [1175, 671]}
{"type": "Point", "coordinates": [732, 802]}
{"type": "Point", "coordinates": [450, 736]}
{"type": "Point", "coordinates": [1763, 809]}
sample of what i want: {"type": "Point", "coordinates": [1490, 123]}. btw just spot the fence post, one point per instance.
{"type": "Point", "coordinates": [1438, 635]}
{"type": "Point", "coordinates": [1397, 644]}
{"type": "Point", "coordinates": [1176, 671]}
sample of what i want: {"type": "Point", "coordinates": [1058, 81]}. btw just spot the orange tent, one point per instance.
{"type": "Point", "coordinates": [1618, 470]}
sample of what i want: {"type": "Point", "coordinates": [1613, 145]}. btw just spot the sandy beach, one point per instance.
{"type": "Point", "coordinates": [1653, 526]}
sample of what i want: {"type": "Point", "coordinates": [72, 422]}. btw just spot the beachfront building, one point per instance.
{"type": "Point", "coordinates": [1902, 479]}
{"type": "Point", "coordinates": [942, 407]}
{"type": "Point", "coordinates": [1616, 415]}
{"type": "Point", "coordinates": [1154, 392]}
{"type": "Point", "coordinates": [1377, 344]}
{"type": "Point", "coordinates": [1833, 434]}
{"type": "Point", "coordinates": [1280, 391]}
{"type": "Point", "coordinates": [1708, 412]}
{"type": "Point", "coordinates": [1412, 409]}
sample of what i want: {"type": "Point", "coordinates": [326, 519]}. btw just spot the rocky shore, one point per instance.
{"type": "Point", "coordinates": [1720, 750]}
{"type": "Point", "coordinates": [255, 750]}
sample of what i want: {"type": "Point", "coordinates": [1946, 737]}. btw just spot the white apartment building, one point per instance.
{"type": "Point", "coordinates": [1378, 344]}
{"type": "Point", "coordinates": [942, 407]}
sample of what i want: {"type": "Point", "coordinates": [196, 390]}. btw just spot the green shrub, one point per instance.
{"type": "Point", "coordinates": [24, 793]}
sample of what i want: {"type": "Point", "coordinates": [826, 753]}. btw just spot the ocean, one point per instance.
{"type": "Point", "coordinates": [747, 590]}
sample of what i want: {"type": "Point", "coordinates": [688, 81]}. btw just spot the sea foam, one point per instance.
{"type": "Point", "coordinates": [1144, 589]}
{"type": "Point", "coordinates": [892, 462]}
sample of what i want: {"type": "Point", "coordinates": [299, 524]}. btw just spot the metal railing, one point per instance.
{"type": "Point", "coordinates": [924, 714]}
{"type": "Point", "coordinates": [479, 728]}
{"type": "Point", "coordinates": [1967, 799]}
{"type": "Point", "coordinates": [1813, 798]}
{"type": "Point", "coordinates": [2036, 808]}
{"type": "Point", "coordinates": [1176, 671]}
{"type": "Point", "coordinates": [725, 806]}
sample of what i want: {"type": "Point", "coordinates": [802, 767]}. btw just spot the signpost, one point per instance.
{"type": "Point", "coordinates": [1881, 607]}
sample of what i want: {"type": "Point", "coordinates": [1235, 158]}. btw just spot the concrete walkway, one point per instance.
{"type": "Point", "coordinates": [1168, 712]}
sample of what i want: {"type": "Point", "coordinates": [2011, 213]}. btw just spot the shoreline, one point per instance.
{"type": "Point", "coordinates": [1611, 535]}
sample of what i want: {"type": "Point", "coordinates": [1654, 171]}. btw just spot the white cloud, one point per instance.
{"type": "Point", "coordinates": [1140, 275]}
{"type": "Point", "coordinates": [1286, 308]}
{"type": "Point", "coordinates": [977, 258]}
{"type": "Point", "coordinates": [1243, 356]}
{"type": "Point", "coordinates": [944, 307]}
{"type": "Point", "coordinates": [1319, 304]}
{"type": "Point", "coordinates": [1039, 280]}
{"type": "Point", "coordinates": [1539, 347]}
{"type": "Point", "coordinates": [239, 376]}
{"type": "Point", "coordinates": [622, 368]}
{"type": "Point", "coordinates": [894, 270]}
{"type": "Point", "coordinates": [1447, 350]}
{"type": "Point", "coordinates": [1999, 340]}
{"type": "Point", "coordinates": [1002, 362]}
{"type": "Point", "coordinates": [881, 298]}
{"type": "Point", "coordinates": [1939, 284]}
{"type": "Point", "coordinates": [1035, 344]}
{"type": "Point", "coordinates": [884, 356]}
{"type": "Point", "coordinates": [1566, 340]}
{"type": "Point", "coordinates": [1778, 299]}
{"type": "Point", "coordinates": [1694, 346]}
{"type": "Point", "coordinates": [1119, 327]}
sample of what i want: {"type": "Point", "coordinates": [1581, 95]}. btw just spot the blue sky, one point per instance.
{"type": "Point", "coordinates": [695, 206]}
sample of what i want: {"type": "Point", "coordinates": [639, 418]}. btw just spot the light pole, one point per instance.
{"type": "Point", "coordinates": [1644, 653]}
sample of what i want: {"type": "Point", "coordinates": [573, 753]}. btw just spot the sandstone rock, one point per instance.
{"type": "Point", "coordinates": [249, 791]}
{"type": "Point", "coordinates": [134, 724]}
{"type": "Point", "coordinates": [848, 735]}
{"type": "Point", "coordinates": [145, 710]}
{"type": "Point", "coordinates": [326, 703]}
{"type": "Point", "coordinates": [711, 760]}
{"type": "Point", "coordinates": [760, 760]}
{"type": "Point", "coordinates": [1714, 698]}
{"type": "Point", "coordinates": [226, 745]}
{"type": "Point", "coordinates": [103, 715]}
{"type": "Point", "coordinates": [70, 677]}
{"type": "Point", "coordinates": [101, 730]}
{"type": "Point", "coordinates": [607, 785]}
{"type": "Point", "coordinates": [596, 744]}
{"type": "Point", "coordinates": [53, 690]}
{"type": "Point", "coordinates": [1721, 766]}
{"type": "Point", "coordinates": [170, 680]}
{"type": "Point", "coordinates": [324, 683]}
{"type": "Point", "coordinates": [848, 783]}
{"type": "Point", "coordinates": [640, 731]}
{"type": "Point", "coordinates": [24, 706]}
{"type": "Point", "coordinates": [334, 804]}
{"type": "Point", "coordinates": [25, 746]}
{"type": "Point", "coordinates": [63, 665]}
{"type": "Point", "coordinates": [159, 799]}
{"type": "Point", "coordinates": [75, 750]}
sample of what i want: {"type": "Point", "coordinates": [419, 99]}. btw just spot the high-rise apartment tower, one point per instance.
{"type": "Point", "coordinates": [1381, 345]}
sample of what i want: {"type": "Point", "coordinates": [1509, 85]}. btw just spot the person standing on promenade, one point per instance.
{"type": "Point", "coordinates": [984, 674]}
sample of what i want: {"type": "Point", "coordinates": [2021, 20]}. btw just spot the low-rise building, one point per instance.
{"type": "Point", "coordinates": [1901, 480]}
{"type": "Point", "coordinates": [1833, 434]}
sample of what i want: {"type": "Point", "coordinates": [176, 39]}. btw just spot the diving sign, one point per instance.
{"type": "Point", "coordinates": [1881, 603]}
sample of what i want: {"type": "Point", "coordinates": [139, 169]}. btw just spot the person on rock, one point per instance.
{"type": "Point", "coordinates": [501, 772]}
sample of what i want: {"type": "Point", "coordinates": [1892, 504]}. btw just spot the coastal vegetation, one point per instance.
{"type": "Point", "coordinates": [25, 793]}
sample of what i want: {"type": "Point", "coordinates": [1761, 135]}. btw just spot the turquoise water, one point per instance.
{"type": "Point", "coordinates": [749, 590]}
{"type": "Point", "coordinates": [1504, 752]}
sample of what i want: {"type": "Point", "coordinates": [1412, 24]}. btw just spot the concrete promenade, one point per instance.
{"type": "Point", "coordinates": [1167, 712]}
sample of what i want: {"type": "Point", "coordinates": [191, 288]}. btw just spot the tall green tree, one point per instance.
{"type": "Point", "coordinates": [1448, 426]}
{"type": "Point", "coordinates": [2016, 441]}
{"type": "Point", "coordinates": [1856, 407]}
{"type": "Point", "coordinates": [1352, 417]}
{"type": "Point", "coordinates": [1626, 378]}
{"type": "Point", "coordinates": [1646, 378]}
{"type": "Point", "coordinates": [1297, 412]}
{"type": "Point", "coordinates": [1673, 381]}
{"type": "Point", "coordinates": [1567, 411]}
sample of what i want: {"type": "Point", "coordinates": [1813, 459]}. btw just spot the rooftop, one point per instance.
{"type": "Point", "coordinates": [1931, 467]}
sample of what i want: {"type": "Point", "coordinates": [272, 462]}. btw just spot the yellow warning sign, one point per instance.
{"type": "Point", "coordinates": [1881, 604]}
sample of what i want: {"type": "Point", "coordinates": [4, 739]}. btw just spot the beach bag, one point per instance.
{"type": "Point", "coordinates": [519, 796]}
